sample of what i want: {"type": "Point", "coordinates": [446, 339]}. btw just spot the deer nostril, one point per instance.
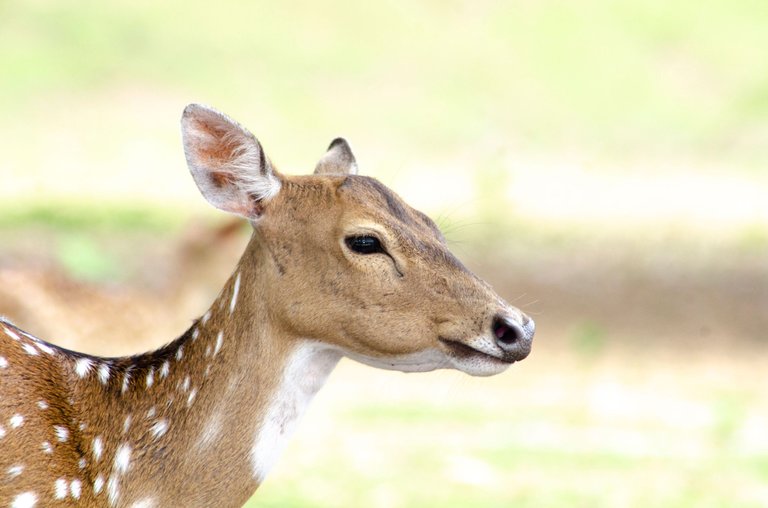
{"type": "Point", "coordinates": [507, 334]}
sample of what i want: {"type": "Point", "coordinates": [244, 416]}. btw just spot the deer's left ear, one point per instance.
{"type": "Point", "coordinates": [338, 160]}
{"type": "Point", "coordinates": [227, 162]}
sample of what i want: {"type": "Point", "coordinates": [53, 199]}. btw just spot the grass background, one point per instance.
{"type": "Point", "coordinates": [605, 160]}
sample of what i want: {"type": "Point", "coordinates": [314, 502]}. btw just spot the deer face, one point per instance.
{"type": "Point", "coordinates": [350, 264]}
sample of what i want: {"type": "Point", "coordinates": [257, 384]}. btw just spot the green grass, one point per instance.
{"type": "Point", "coordinates": [478, 88]}
{"type": "Point", "coordinates": [623, 79]}
{"type": "Point", "coordinates": [70, 216]}
{"type": "Point", "coordinates": [525, 476]}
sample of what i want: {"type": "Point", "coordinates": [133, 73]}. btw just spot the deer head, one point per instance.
{"type": "Point", "coordinates": [345, 262]}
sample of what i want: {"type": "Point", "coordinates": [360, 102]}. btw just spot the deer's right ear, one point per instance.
{"type": "Point", "coordinates": [227, 162]}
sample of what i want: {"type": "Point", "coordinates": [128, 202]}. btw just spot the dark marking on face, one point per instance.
{"type": "Point", "coordinates": [430, 224]}
{"type": "Point", "coordinates": [414, 229]}
{"type": "Point", "coordinates": [280, 266]}
{"type": "Point", "coordinates": [393, 203]}
{"type": "Point", "coordinates": [368, 189]}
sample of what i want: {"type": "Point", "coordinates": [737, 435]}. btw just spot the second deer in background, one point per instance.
{"type": "Point", "coordinates": [116, 321]}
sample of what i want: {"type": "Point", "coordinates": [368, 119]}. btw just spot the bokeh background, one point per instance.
{"type": "Point", "coordinates": [603, 164]}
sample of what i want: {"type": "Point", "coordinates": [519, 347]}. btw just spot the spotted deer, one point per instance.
{"type": "Point", "coordinates": [337, 265]}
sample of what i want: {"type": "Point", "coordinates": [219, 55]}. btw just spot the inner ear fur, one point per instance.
{"type": "Point", "coordinates": [227, 162]}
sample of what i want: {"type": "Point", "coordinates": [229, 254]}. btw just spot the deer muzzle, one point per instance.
{"type": "Point", "coordinates": [512, 336]}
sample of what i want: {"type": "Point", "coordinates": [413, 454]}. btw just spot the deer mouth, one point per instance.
{"type": "Point", "coordinates": [460, 350]}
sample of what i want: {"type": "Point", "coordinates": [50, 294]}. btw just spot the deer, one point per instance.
{"type": "Point", "coordinates": [337, 266]}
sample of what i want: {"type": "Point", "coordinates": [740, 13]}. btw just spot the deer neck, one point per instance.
{"type": "Point", "coordinates": [215, 406]}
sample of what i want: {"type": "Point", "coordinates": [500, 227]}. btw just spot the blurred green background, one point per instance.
{"type": "Point", "coordinates": [602, 163]}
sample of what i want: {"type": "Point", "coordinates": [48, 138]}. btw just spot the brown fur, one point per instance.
{"type": "Point", "coordinates": [300, 286]}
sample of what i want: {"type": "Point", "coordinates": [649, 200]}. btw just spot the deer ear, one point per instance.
{"type": "Point", "coordinates": [338, 160]}
{"type": "Point", "coordinates": [227, 162]}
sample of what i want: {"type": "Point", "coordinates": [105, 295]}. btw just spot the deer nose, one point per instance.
{"type": "Point", "coordinates": [512, 337]}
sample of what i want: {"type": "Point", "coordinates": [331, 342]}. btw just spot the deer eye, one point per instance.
{"type": "Point", "coordinates": [364, 244]}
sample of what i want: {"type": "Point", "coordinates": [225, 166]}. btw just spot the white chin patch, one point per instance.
{"type": "Point", "coordinates": [479, 365]}
{"type": "Point", "coordinates": [485, 362]}
{"type": "Point", "coordinates": [423, 361]}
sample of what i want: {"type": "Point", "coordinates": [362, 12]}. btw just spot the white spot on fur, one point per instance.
{"type": "Point", "coordinates": [159, 428]}
{"type": "Point", "coordinates": [25, 500]}
{"type": "Point", "coordinates": [191, 397]}
{"type": "Point", "coordinates": [30, 349]}
{"type": "Point", "coordinates": [150, 376]}
{"type": "Point", "coordinates": [60, 487]}
{"type": "Point", "coordinates": [29, 336]}
{"type": "Point", "coordinates": [74, 488]}
{"type": "Point", "coordinates": [235, 291]}
{"type": "Point", "coordinates": [62, 433]}
{"type": "Point", "coordinates": [2, 431]}
{"type": "Point", "coordinates": [144, 503]}
{"type": "Point", "coordinates": [3, 362]}
{"type": "Point", "coordinates": [15, 471]}
{"type": "Point", "coordinates": [126, 379]}
{"type": "Point", "coordinates": [127, 423]}
{"type": "Point", "coordinates": [179, 353]}
{"type": "Point", "coordinates": [165, 369]}
{"type": "Point", "coordinates": [113, 489]}
{"type": "Point", "coordinates": [123, 458]}
{"type": "Point", "coordinates": [81, 463]}
{"type": "Point", "coordinates": [81, 426]}
{"type": "Point", "coordinates": [16, 421]}
{"type": "Point", "coordinates": [305, 372]}
{"type": "Point", "coordinates": [98, 447]}
{"type": "Point", "coordinates": [98, 483]}
{"type": "Point", "coordinates": [219, 342]}
{"type": "Point", "coordinates": [195, 334]}
{"type": "Point", "coordinates": [45, 348]}
{"type": "Point", "coordinates": [42, 404]}
{"type": "Point", "coordinates": [211, 431]}
{"type": "Point", "coordinates": [185, 383]}
{"type": "Point", "coordinates": [208, 350]}
{"type": "Point", "coordinates": [82, 366]}
{"type": "Point", "coordinates": [152, 412]}
{"type": "Point", "coordinates": [104, 373]}
{"type": "Point", "coordinates": [206, 317]}
{"type": "Point", "coordinates": [12, 334]}
{"type": "Point", "coordinates": [47, 448]}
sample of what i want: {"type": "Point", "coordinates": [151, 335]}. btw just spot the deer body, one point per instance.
{"type": "Point", "coordinates": [126, 431]}
{"type": "Point", "coordinates": [337, 266]}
